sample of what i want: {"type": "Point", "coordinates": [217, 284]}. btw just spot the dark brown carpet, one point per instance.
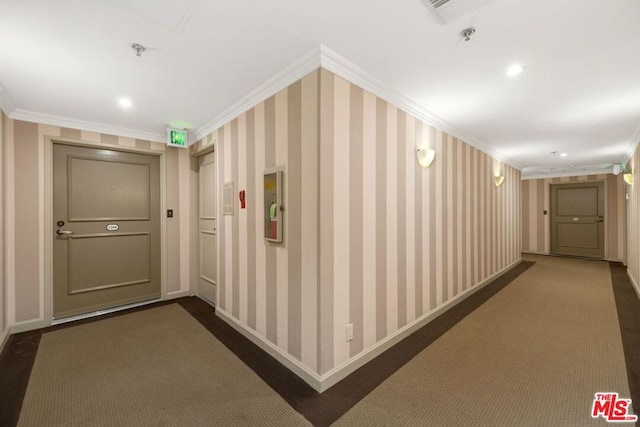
{"type": "Point", "coordinates": [628, 306]}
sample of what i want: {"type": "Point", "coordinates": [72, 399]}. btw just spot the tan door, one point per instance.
{"type": "Point", "coordinates": [207, 227]}
{"type": "Point", "coordinates": [577, 219]}
{"type": "Point", "coordinates": [106, 212]}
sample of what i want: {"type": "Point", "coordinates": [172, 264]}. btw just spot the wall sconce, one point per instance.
{"type": "Point", "coordinates": [499, 180]}
{"type": "Point", "coordinates": [425, 156]}
{"type": "Point", "coordinates": [628, 178]}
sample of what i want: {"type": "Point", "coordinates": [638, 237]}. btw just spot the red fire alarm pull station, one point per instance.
{"type": "Point", "coordinates": [243, 203]}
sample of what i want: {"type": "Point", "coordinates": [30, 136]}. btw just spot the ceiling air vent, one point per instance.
{"type": "Point", "coordinates": [448, 10]}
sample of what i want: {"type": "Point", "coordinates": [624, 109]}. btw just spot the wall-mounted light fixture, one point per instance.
{"type": "Point", "coordinates": [628, 178]}
{"type": "Point", "coordinates": [499, 180]}
{"type": "Point", "coordinates": [425, 156]}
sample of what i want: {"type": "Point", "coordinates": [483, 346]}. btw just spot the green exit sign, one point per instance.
{"type": "Point", "coordinates": [177, 137]}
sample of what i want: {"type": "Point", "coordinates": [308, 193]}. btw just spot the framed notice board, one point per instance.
{"type": "Point", "coordinates": [227, 198]}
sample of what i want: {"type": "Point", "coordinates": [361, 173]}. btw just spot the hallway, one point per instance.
{"type": "Point", "coordinates": [522, 348]}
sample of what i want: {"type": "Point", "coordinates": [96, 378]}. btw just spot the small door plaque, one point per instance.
{"type": "Point", "coordinates": [112, 227]}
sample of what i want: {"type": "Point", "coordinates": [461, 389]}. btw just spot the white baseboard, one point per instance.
{"type": "Point", "coordinates": [29, 325]}
{"type": "Point", "coordinates": [340, 372]}
{"type": "Point", "coordinates": [4, 336]}
{"type": "Point", "coordinates": [322, 383]}
{"type": "Point", "coordinates": [547, 254]}
{"type": "Point", "coordinates": [277, 353]}
{"type": "Point", "coordinates": [634, 283]}
{"type": "Point", "coordinates": [177, 294]}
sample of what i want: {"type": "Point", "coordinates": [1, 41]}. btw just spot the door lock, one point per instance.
{"type": "Point", "coordinates": [60, 231]}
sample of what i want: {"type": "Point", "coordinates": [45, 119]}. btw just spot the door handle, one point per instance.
{"type": "Point", "coordinates": [599, 220]}
{"type": "Point", "coordinates": [61, 232]}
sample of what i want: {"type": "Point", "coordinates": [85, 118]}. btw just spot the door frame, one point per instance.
{"type": "Point", "coordinates": [195, 216]}
{"type": "Point", "coordinates": [548, 224]}
{"type": "Point", "coordinates": [46, 298]}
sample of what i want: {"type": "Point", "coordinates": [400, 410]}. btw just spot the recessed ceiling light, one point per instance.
{"type": "Point", "coordinates": [563, 154]}
{"type": "Point", "coordinates": [514, 70]}
{"type": "Point", "coordinates": [125, 103]}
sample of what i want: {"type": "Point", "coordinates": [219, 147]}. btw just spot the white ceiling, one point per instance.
{"type": "Point", "coordinates": [69, 61]}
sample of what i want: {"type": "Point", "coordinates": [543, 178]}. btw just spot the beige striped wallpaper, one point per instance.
{"type": "Point", "coordinates": [24, 223]}
{"type": "Point", "coordinates": [370, 237]}
{"type": "Point", "coordinates": [3, 288]}
{"type": "Point", "coordinates": [536, 226]}
{"type": "Point", "coordinates": [633, 218]}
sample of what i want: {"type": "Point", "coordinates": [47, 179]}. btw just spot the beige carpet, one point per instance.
{"type": "Point", "coordinates": [533, 355]}
{"type": "Point", "coordinates": [157, 367]}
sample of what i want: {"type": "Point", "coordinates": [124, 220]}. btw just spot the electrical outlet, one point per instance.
{"type": "Point", "coordinates": [349, 332]}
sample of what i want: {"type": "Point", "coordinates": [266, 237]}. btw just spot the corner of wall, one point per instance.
{"type": "Point", "coordinates": [4, 327]}
{"type": "Point", "coordinates": [632, 200]}
{"type": "Point", "coordinates": [300, 300]}
{"type": "Point", "coordinates": [256, 279]}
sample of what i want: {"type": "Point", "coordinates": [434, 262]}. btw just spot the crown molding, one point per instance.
{"type": "Point", "coordinates": [635, 140]}
{"type": "Point", "coordinates": [291, 74]}
{"type": "Point", "coordinates": [600, 171]}
{"type": "Point", "coordinates": [5, 106]}
{"type": "Point", "coordinates": [5, 102]}
{"type": "Point", "coordinates": [344, 68]}
{"type": "Point", "coordinates": [48, 119]}
{"type": "Point", "coordinates": [328, 59]}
